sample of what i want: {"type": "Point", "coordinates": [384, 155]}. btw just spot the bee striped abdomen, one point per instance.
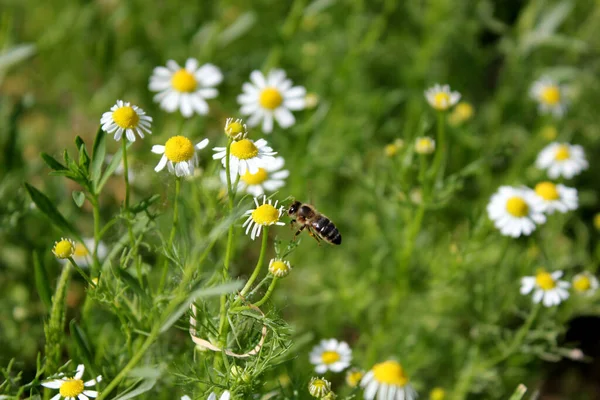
{"type": "Point", "coordinates": [327, 230]}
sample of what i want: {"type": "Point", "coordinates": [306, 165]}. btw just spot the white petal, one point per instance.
{"type": "Point", "coordinates": [225, 396]}
{"type": "Point", "coordinates": [258, 79]}
{"type": "Point", "coordinates": [55, 384]}
{"type": "Point", "coordinates": [186, 105]}
{"type": "Point", "coordinates": [161, 164]}
{"type": "Point", "coordinates": [191, 65]}
{"type": "Point", "coordinates": [80, 371]}
{"type": "Point", "coordinates": [267, 125]}
{"type": "Point", "coordinates": [284, 117]}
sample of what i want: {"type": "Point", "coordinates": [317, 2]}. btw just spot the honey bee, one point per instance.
{"type": "Point", "coordinates": [318, 225]}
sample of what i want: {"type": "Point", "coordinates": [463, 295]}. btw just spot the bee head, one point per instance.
{"type": "Point", "coordinates": [294, 208]}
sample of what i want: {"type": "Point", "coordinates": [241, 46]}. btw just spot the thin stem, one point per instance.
{"type": "Point", "coordinates": [163, 278]}
{"type": "Point", "coordinates": [440, 146]}
{"type": "Point", "coordinates": [82, 273]}
{"type": "Point", "coordinates": [125, 173]}
{"type": "Point", "coordinates": [261, 257]}
{"type": "Point", "coordinates": [268, 294]}
{"type": "Point", "coordinates": [54, 329]}
{"type": "Point", "coordinates": [96, 213]}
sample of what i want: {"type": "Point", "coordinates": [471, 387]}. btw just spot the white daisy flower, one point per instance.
{"type": "Point", "coordinates": [516, 211]}
{"type": "Point", "coordinates": [319, 387]}
{"type": "Point", "coordinates": [585, 283]}
{"type": "Point", "coordinates": [441, 98]}
{"type": "Point", "coordinates": [246, 156]}
{"type": "Point", "coordinates": [224, 396]}
{"type": "Point", "coordinates": [550, 96]}
{"type": "Point", "coordinates": [83, 257]}
{"type": "Point", "coordinates": [562, 159]}
{"type": "Point", "coordinates": [125, 117]}
{"type": "Point", "coordinates": [73, 388]}
{"type": "Point", "coordinates": [267, 179]}
{"type": "Point", "coordinates": [280, 268]}
{"type": "Point", "coordinates": [186, 88]}
{"type": "Point", "coordinates": [265, 214]}
{"type": "Point", "coordinates": [235, 129]}
{"type": "Point", "coordinates": [387, 381]}
{"type": "Point", "coordinates": [271, 97]}
{"type": "Point", "coordinates": [179, 154]}
{"type": "Point", "coordinates": [424, 145]}
{"type": "Point", "coordinates": [556, 197]}
{"type": "Point", "coordinates": [330, 355]}
{"type": "Point", "coordinates": [546, 287]}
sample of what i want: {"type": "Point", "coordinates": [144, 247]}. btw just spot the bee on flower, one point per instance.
{"type": "Point", "coordinates": [82, 252]}
{"type": "Point", "coordinates": [516, 211]}
{"type": "Point", "coordinates": [73, 388]}
{"type": "Point", "coordinates": [269, 178]}
{"type": "Point", "coordinates": [246, 156]}
{"type": "Point", "coordinates": [441, 98]}
{"type": "Point", "coordinates": [387, 381]}
{"type": "Point", "coordinates": [179, 155]}
{"type": "Point", "coordinates": [546, 287]}
{"type": "Point", "coordinates": [585, 283]}
{"type": "Point", "coordinates": [126, 118]}
{"type": "Point", "coordinates": [331, 355]}
{"type": "Point", "coordinates": [265, 214]}
{"type": "Point", "coordinates": [186, 89]}
{"type": "Point", "coordinates": [562, 159]}
{"type": "Point", "coordinates": [550, 96]}
{"type": "Point", "coordinates": [556, 197]}
{"type": "Point", "coordinates": [271, 97]}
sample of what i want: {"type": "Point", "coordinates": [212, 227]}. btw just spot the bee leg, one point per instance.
{"type": "Point", "coordinates": [292, 224]}
{"type": "Point", "coordinates": [311, 232]}
{"type": "Point", "coordinates": [299, 231]}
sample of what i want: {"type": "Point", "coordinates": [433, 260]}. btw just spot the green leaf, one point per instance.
{"type": "Point", "coordinates": [145, 203]}
{"type": "Point", "coordinates": [98, 154]}
{"type": "Point", "coordinates": [228, 287]}
{"type": "Point", "coordinates": [133, 391]}
{"type": "Point", "coordinates": [44, 204]}
{"type": "Point", "coordinates": [84, 157]}
{"type": "Point", "coordinates": [132, 283]}
{"type": "Point", "coordinates": [112, 166]}
{"type": "Point", "coordinates": [52, 162]}
{"type": "Point", "coordinates": [82, 343]}
{"type": "Point", "coordinates": [78, 197]}
{"type": "Point", "coordinates": [42, 283]}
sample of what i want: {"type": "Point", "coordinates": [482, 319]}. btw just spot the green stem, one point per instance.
{"type": "Point", "coordinates": [82, 273]}
{"type": "Point", "coordinates": [440, 147]}
{"type": "Point", "coordinates": [413, 231]}
{"type": "Point", "coordinates": [263, 250]}
{"type": "Point", "coordinates": [163, 278]}
{"type": "Point", "coordinates": [96, 212]}
{"type": "Point", "coordinates": [125, 173]}
{"type": "Point", "coordinates": [55, 328]}
{"type": "Point", "coordinates": [268, 294]}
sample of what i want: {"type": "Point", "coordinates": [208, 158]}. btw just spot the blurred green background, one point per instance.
{"type": "Point", "coordinates": [66, 62]}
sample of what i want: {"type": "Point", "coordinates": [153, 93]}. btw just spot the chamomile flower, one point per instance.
{"type": "Point", "coordinates": [179, 154]}
{"type": "Point", "coordinates": [235, 129]}
{"type": "Point", "coordinates": [387, 381]}
{"type": "Point", "coordinates": [319, 387]}
{"type": "Point", "coordinates": [224, 396]}
{"type": "Point", "coordinates": [246, 156]}
{"type": "Point", "coordinates": [269, 178]}
{"type": "Point", "coordinates": [562, 159]}
{"type": "Point", "coordinates": [186, 88]}
{"type": "Point", "coordinates": [516, 211]}
{"type": "Point", "coordinates": [330, 355]}
{"type": "Point", "coordinates": [353, 377]}
{"type": "Point", "coordinates": [63, 249]}
{"type": "Point", "coordinates": [264, 214]}
{"type": "Point", "coordinates": [585, 283]}
{"type": "Point", "coordinates": [546, 287]}
{"type": "Point", "coordinates": [271, 97]}
{"type": "Point", "coordinates": [462, 112]}
{"type": "Point", "coordinates": [82, 253]}
{"type": "Point", "coordinates": [550, 96]}
{"type": "Point", "coordinates": [441, 98]}
{"type": "Point", "coordinates": [73, 388]}
{"type": "Point", "coordinates": [280, 268]}
{"type": "Point", "coordinates": [424, 145]}
{"type": "Point", "coordinates": [125, 117]}
{"type": "Point", "coordinates": [556, 197]}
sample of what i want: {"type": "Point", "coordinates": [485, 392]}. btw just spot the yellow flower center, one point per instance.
{"type": "Point", "coordinates": [437, 394]}
{"type": "Point", "coordinates": [390, 372]}
{"type": "Point", "coordinates": [71, 388]}
{"type": "Point", "coordinates": [270, 98]}
{"type": "Point", "coordinates": [562, 153]}
{"type": "Point", "coordinates": [582, 284]}
{"type": "Point", "coordinates": [424, 146]}
{"type": "Point", "coordinates": [80, 250]}
{"type": "Point", "coordinates": [126, 117]}
{"type": "Point", "coordinates": [353, 378]}
{"type": "Point", "coordinates": [441, 100]}
{"type": "Point", "coordinates": [234, 128]}
{"type": "Point", "coordinates": [329, 357]}
{"type": "Point", "coordinates": [597, 221]}
{"type": "Point", "coordinates": [183, 81]}
{"type": "Point", "coordinates": [255, 179]}
{"type": "Point", "coordinates": [544, 280]}
{"type": "Point", "coordinates": [244, 149]}
{"type": "Point", "coordinates": [517, 207]}
{"type": "Point", "coordinates": [178, 149]}
{"type": "Point", "coordinates": [265, 214]}
{"type": "Point", "coordinates": [278, 266]}
{"type": "Point", "coordinates": [63, 249]}
{"type": "Point", "coordinates": [550, 95]}
{"type": "Point", "coordinates": [391, 149]}
{"type": "Point", "coordinates": [464, 111]}
{"type": "Point", "coordinates": [547, 191]}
